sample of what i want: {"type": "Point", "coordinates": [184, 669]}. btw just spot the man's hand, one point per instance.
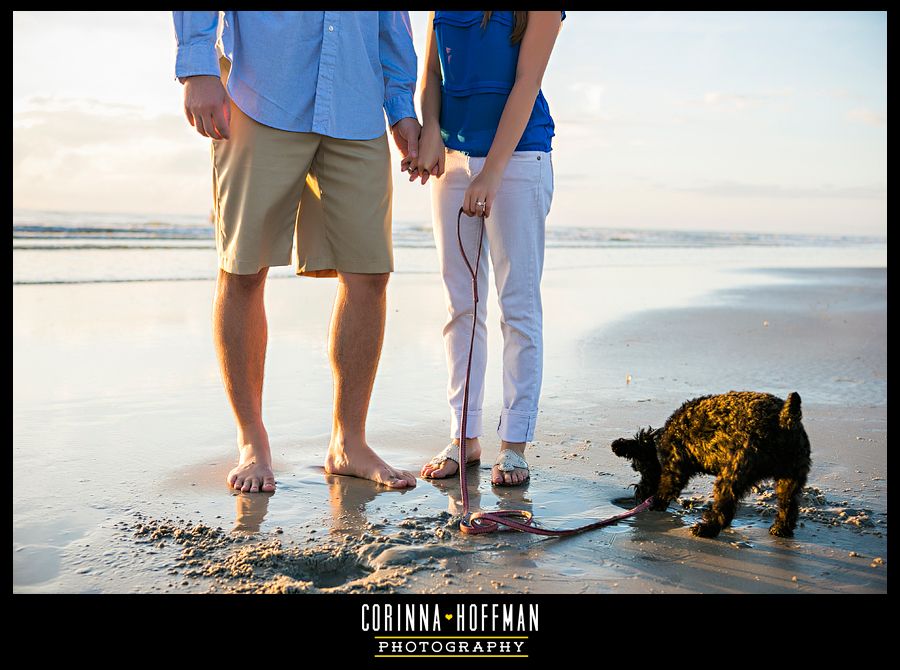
{"type": "Point", "coordinates": [406, 135]}
{"type": "Point", "coordinates": [207, 106]}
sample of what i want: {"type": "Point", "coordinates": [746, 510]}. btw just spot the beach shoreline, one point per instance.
{"type": "Point", "coordinates": [134, 437]}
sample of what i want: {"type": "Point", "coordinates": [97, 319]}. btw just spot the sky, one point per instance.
{"type": "Point", "coordinates": [771, 122]}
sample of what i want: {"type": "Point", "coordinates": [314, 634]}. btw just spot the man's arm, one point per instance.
{"type": "Point", "coordinates": [398, 62]}
{"type": "Point", "coordinates": [195, 35]}
{"type": "Point", "coordinates": [206, 103]}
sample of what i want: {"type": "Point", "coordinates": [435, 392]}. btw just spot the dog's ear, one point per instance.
{"type": "Point", "coordinates": [641, 446]}
{"type": "Point", "coordinates": [631, 448]}
{"type": "Point", "coordinates": [623, 447]}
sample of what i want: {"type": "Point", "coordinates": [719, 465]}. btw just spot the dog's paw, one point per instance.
{"type": "Point", "coordinates": [779, 530]}
{"type": "Point", "coordinates": [705, 530]}
{"type": "Point", "coordinates": [657, 505]}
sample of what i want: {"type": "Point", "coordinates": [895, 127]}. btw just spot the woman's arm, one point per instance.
{"type": "Point", "coordinates": [534, 54]}
{"type": "Point", "coordinates": [431, 149]}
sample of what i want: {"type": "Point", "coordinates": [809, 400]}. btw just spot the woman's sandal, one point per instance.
{"type": "Point", "coordinates": [448, 453]}
{"type": "Point", "coordinates": [508, 460]}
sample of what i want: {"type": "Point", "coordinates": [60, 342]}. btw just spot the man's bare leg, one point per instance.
{"type": "Point", "coordinates": [240, 333]}
{"type": "Point", "coordinates": [354, 347]}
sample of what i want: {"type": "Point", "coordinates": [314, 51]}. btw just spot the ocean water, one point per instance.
{"type": "Point", "coordinates": [77, 247]}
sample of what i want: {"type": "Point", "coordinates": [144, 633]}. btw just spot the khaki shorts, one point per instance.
{"type": "Point", "coordinates": [282, 197]}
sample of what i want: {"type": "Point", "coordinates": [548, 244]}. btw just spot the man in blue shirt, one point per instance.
{"type": "Point", "coordinates": [294, 103]}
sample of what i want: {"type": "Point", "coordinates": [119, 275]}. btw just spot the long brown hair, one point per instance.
{"type": "Point", "coordinates": [518, 29]}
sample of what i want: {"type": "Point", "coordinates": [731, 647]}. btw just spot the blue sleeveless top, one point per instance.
{"type": "Point", "coordinates": [479, 70]}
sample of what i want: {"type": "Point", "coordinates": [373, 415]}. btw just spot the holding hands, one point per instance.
{"type": "Point", "coordinates": [406, 136]}
{"type": "Point", "coordinates": [431, 156]}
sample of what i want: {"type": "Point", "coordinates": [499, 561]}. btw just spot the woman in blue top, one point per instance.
{"type": "Point", "coordinates": [486, 139]}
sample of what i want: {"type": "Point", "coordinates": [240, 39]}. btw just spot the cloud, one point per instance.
{"type": "Point", "coordinates": [725, 101]}
{"type": "Point", "coordinates": [731, 189]}
{"type": "Point", "coordinates": [69, 152]}
{"type": "Point", "coordinates": [867, 116]}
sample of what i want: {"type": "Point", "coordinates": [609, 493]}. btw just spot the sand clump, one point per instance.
{"type": "Point", "coordinates": [233, 562]}
{"type": "Point", "coordinates": [815, 507]}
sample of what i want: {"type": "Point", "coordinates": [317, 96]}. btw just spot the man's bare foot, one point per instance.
{"type": "Point", "coordinates": [361, 461]}
{"type": "Point", "coordinates": [517, 475]}
{"type": "Point", "coordinates": [449, 467]}
{"type": "Point", "coordinates": [254, 469]}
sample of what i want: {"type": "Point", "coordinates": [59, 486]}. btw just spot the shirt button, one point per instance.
{"type": "Point", "coordinates": [331, 29]}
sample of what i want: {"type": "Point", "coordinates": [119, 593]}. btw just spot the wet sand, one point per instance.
{"type": "Point", "coordinates": [120, 417]}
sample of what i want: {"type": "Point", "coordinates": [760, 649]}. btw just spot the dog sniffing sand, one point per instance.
{"type": "Point", "coordinates": [742, 437]}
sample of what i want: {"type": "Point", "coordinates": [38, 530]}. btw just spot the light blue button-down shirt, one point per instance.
{"type": "Point", "coordinates": [330, 73]}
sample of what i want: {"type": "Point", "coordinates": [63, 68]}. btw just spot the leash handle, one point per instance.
{"type": "Point", "coordinates": [478, 523]}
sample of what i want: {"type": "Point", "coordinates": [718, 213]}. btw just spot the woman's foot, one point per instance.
{"type": "Point", "coordinates": [510, 468]}
{"type": "Point", "coordinates": [443, 466]}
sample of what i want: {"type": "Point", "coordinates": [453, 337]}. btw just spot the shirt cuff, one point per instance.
{"type": "Point", "coordinates": [399, 107]}
{"type": "Point", "coordinates": [197, 59]}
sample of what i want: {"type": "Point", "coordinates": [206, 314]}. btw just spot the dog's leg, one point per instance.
{"type": "Point", "coordinates": [722, 511]}
{"type": "Point", "coordinates": [788, 491]}
{"type": "Point", "coordinates": [671, 484]}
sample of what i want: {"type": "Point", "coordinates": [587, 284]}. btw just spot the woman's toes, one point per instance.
{"type": "Point", "coordinates": [237, 483]}
{"type": "Point", "coordinates": [254, 486]}
{"type": "Point", "coordinates": [268, 484]}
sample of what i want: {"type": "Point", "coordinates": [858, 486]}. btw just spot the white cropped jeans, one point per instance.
{"type": "Point", "coordinates": [514, 241]}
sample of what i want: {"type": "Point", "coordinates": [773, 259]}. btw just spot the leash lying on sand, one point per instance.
{"type": "Point", "coordinates": [476, 523]}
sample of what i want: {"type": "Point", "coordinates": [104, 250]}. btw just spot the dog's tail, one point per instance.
{"type": "Point", "coordinates": [790, 414]}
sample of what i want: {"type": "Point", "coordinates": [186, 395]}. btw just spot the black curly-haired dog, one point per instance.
{"type": "Point", "coordinates": [741, 437]}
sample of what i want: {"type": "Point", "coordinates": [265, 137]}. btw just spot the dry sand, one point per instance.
{"type": "Point", "coordinates": [119, 414]}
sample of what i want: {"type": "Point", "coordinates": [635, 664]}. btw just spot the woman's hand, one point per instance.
{"type": "Point", "coordinates": [431, 154]}
{"type": "Point", "coordinates": [483, 189]}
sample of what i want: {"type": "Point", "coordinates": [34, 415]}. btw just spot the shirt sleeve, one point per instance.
{"type": "Point", "coordinates": [195, 35]}
{"type": "Point", "coordinates": [398, 62]}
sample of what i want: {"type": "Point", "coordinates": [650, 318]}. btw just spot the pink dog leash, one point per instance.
{"type": "Point", "coordinates": [477, 523]}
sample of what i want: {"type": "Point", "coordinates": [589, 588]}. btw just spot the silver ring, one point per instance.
{"type": "Point", "coordinates": [478, 202]}
{"type": "Point", "coordinates": [410, 169]}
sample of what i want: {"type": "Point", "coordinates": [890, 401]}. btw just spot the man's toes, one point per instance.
{"type": "Point", "coordinates": [507, 477]}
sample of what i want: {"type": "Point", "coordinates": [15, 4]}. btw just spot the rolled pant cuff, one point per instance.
{"type": "Point", "coordinates": [473, 423]}
{"type": "Point", "coordinates": [516, 426]}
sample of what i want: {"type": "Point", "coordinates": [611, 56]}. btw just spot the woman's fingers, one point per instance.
{"type": "Point", "coordinates": [475, 203]}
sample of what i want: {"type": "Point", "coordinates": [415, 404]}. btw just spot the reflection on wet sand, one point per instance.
{"type": "Point", "coordinates": [348, 497]}
{"type": "Point", "coordinates": [508, 497]}
{"type": "Point", "coordinates": [250, 511]}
